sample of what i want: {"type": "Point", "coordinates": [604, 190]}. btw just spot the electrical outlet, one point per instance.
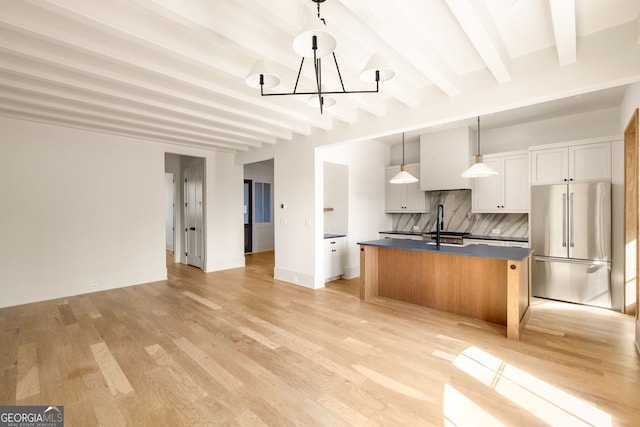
{"type": "Point", "coordinates": [495, 231]}
{"type": "Point", "coordinates": [94, 286]}
{"type": "Point", "coordinates": [416, 228]}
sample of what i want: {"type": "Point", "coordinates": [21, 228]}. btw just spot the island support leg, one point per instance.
{"type": "Point", "coordinates": [518, 297]}
{"type": "Point", "coordinates": [368, 272]}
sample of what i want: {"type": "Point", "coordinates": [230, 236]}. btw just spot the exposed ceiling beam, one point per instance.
{"type": "Point", "coordinates": [61, 109]}
{"type": "Point", "coordinates": [474, 20]}
{"type": "Point", "coordinates": [563, 17]}
{"type": "Point", "coordinates": [70, 102]}
{"type": "Point", "coordinates": [138, 81]}
{"type": "Point", "coordinates": [133, 54]}
{"type": "Point", "coordinates": [395, 33]}
{"type": "Point", "coordinates": [43, 74]}
{"type": "Point", "coordinates": [61, 119]}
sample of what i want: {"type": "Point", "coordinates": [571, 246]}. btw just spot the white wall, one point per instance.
{"type": "Point", "coordinates": [630, 102]}
{"type": "Point", "coordinates": [561, 129]}
{"type": "Point", "coordinates": [81, 208]}
{"type": "Point", "coordinates": [78, 209]}
{"type": "Point", "coordinates": [262, 233]}
{"type": "Point", "coordinates": [411, 152]}
{"type": "Point", "coordinates": [224, 212]}
{"type": "Point", "coordinates": [294, 234]}
{"type": "Point", "coordinates": [366, 161]}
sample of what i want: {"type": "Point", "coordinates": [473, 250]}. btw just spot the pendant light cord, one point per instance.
{"type": "Point", "coordinates": [403, 148]}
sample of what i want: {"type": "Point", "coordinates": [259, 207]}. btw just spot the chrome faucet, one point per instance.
{"type": "Point", "coordinates": [439, 224]}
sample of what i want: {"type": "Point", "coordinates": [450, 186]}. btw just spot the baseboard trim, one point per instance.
{"type": "Point", "coordinates": [68, 288]}
{"type": "Point", "coordinates": [223, 264]}
{"type": "Point", "coordinates": [296, 277]}
{"type": "Point", "coordinates": [352, 272]}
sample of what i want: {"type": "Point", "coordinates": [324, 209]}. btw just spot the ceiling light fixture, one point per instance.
{"type": "Point", "coordinates": [479, 169]}
{"type": "Point", "coordinates": [403, 177]}
{"type": "Point", "coordinates": [315, 42]}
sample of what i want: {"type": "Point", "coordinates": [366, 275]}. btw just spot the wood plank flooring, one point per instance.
{"type": "Point", "coordinates": [238, 348]}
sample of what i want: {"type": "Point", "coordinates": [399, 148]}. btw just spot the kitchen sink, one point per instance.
{"type": "Point", "coordinates": [446, 244]}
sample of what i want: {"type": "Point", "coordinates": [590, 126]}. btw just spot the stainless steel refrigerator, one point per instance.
{"type": "Point", "coordinates": [571, 242]}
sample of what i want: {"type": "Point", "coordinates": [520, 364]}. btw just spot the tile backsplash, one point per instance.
{"type": "Point", "coordinates": [458, 217]}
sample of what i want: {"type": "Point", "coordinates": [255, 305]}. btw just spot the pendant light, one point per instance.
{"type": "Point", "coordinates": [479, 169]}
{"type": "Point", "coordinates": [403, 177]}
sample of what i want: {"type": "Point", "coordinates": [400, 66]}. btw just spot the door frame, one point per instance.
{"type": "Point", "coordinates": [631, 218]}
{"type": "Point", "coordinates": [173, 210]}
{"type": "Point", "coordinates": [248, 228]}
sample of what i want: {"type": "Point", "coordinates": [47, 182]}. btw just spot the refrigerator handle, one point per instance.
{"type": "Point", "coordinates": [564, 220]}
{"type": "Point", "coordinates": [571, 243]}
{"type": "Point", "coordinates": [595, 262]}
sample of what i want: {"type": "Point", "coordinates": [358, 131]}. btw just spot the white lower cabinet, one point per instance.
{"type": "Point", "coordinates": [333, 258]}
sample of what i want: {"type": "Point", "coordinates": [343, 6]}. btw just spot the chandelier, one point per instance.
{"type": "Point", "coordinates": [316, 42]}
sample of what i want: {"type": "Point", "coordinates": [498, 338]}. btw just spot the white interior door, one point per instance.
{"type": "Point", "coordinates": [194, 236]}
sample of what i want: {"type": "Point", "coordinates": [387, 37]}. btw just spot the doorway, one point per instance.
{"type": "Point", "coordinates": [258, 185]}
{"type": "Point", "coordinates": [248, 216]}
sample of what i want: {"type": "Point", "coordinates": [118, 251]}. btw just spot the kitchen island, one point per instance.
{"type": "Point", "coordinates": [484, 282]}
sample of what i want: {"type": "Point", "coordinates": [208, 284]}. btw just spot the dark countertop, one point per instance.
{"type": "Point", "coordinates": [480, 251]}
{"type": "Point", "coordinates": [470, 236]}
{"type": "Point", "coordinates": [334, 236]}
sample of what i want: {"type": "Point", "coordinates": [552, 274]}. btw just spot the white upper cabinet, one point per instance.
{"type": "Point", "coordinates": [405, 198]}
{"type": "Point", "coordinates": [506, 192]}
{"type": "Point", "coordinates": [571, 163]}
{"type": "Point", "coordinates": [549, 166]}
{"type": "Point", "coordinates": [444, 156]}
{"type": "Point", "coordinates": [590, 162]}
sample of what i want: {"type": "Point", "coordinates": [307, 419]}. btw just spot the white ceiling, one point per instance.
{"type": "Point", "coordinates": [584, 103]}
{"type": "Point", "coordinates": [174, 70]}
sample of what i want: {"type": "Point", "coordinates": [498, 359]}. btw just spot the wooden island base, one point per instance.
{"type": "Point", "coordinates": [495, 290]}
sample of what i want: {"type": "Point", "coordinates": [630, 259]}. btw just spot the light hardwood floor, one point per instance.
{"type": "Point", "coordinates": [239, 348]}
